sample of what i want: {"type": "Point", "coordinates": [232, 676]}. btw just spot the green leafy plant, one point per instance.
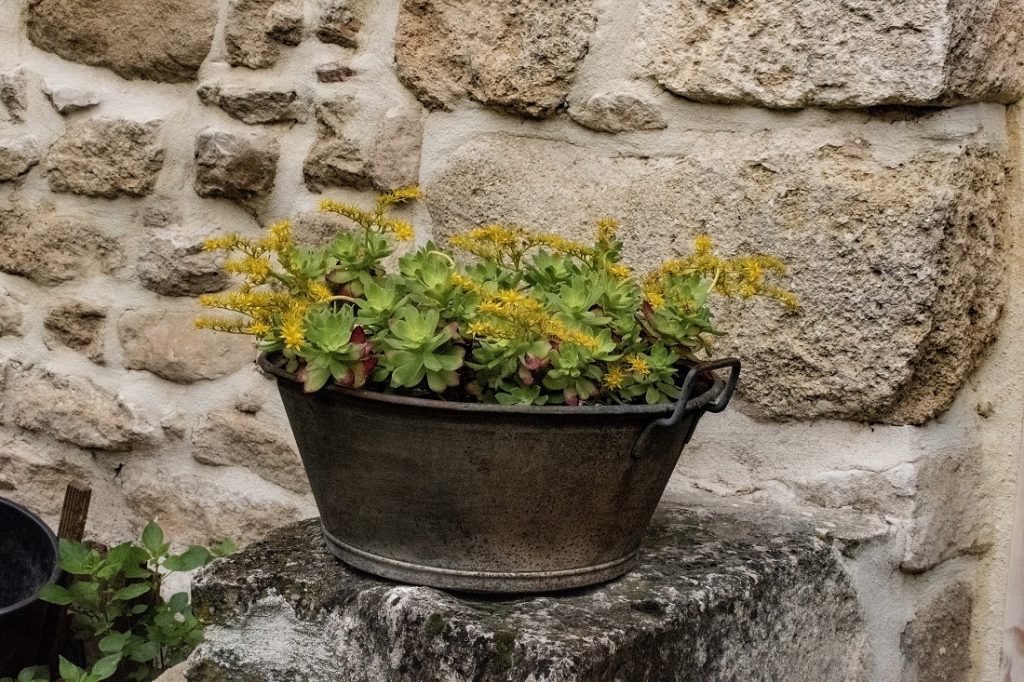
{"type": "Point", "coordinates": [35, 673]}
{"type": "Point", "coordinates": [115, 605]}
{"type": "Point", "coordinates": [524, 318]}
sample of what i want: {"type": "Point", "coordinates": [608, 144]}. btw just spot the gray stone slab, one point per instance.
{"type": "Point", "coordinates": [718, 596]}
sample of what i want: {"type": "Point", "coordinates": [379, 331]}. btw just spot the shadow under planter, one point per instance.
{"type": "Point", "coordinates": [717, 595]}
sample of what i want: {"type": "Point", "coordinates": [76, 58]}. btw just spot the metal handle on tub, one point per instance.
{"type": "Point", "coordinates": [719, 404]}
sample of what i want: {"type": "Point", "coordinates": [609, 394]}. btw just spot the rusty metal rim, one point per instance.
{"type": "Point", "coordinates": [700, 401]}
{"type": "Point", "coordinates": [479, 581]}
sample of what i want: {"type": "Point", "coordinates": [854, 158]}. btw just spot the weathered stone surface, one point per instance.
{"type": "Point", "coordinates": [77, 324]}
{"type": "Point", "coordinates": [878, 492]}
{"type": "Point", "coordinates": [936, 644]}
{"type": "Point", "coordinates": [516, 56]}
{"type": "Point", "coordinates": [938, 529]}
{"type": "Point", "coordinates": [67, 99]}
{"type": "Point", "coordinates": [252, 105]}
{"type": "Point", "coordinates": [897, 267]}
{"type": "Point", "coordinates": [74, 410]}
{"type": "Point", "coordinates": [17, 156]}
{"type": "Point", "coordinates": [216, 507]}
{"type": "Point", "coordinates": [235, 166]}
{"type": "Point", "coordinates": [174, 264]}
{"type": "Point", "coordinates": [314, 227]}
{"type": "Point", "coordinates": [334, 72]}
{"type": "Point", "coordinates": [50, 249]}
{"type": "Point", "coordinates": [164, 342]}
{"type": "Point", "coordinates": [618, 112]}
{"type": "Point", "coordinates": [166, 40]}
{"type": "Point", "coordinates": [338, 24]}
{"type": "Point", "coordinates": [105, 157]}
{"type": "Point", "coordinates": [256, 29]}
{"type": "Point", "coordinates": [335, 160]}
{"type": "Point", "coordinates": [234, 438]}
{"type": "Point", "coordinates": [715, 598]}
{"type": "Point", "coordinates": [12, 314]}
{"type": "Point", "coordinates": [37, 476]}
{"type": "Point", "coordinates": [14, 95]}
{"type": "Point", "coordinates": [800, 54]}
{"type": "Point", "coordinates": [395, 161]}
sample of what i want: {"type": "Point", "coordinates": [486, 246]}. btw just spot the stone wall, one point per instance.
{"type": "Point", "coordinates": [866, 143]}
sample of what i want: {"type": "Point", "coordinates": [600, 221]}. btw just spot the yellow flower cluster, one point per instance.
{"type": "Point", "coordinates": [743, 276]}
{"type": "Point", "coordinates": [507, 245]}
{"type": "Point", "coordinates": [517, 315]}
{"type": "Point", "coordinates": [378, 220]}
{"type": "Point", "coordinates": [614, 378]}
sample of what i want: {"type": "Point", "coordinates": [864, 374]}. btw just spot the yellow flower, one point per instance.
{"type": "Point", "coordinates": [619, 270]}
{"type": "Point", "coordinates": [614, 378]}
{"type": "Point", "coordinates": [638, 365]}
{"type": "Point", "coordinates": [606, 229]}
{"type": "Point", "coordinates": [702, 244]}
{"type": "Point", "coordinates": [320, 292]}
{"type": "Point", "coordinates": [225, 242]}
{"type": "Point", "coordinates": [259, 328]}
{"type": "Point", "coordinates": [402, 230]}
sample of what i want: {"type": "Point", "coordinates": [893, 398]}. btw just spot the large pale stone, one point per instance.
{"type": "Point", "coordinates": [50, 249]}
{"type": "Point", "coordinates": [897, 268]}
{"type": "Point", "coordinates": [161, 40]}
{"type": "Point", "coordinates": [256, 29]}
{"type": "Point", "coordinates": [165, 342]}
{"type": "Point", "coordinates": [37, 476]}
{"type": "Point", "coordinates": [395, 160]}
{"type": "Point", "coordinates": [105, 157]}
{"type": "Point", "coordinates": [800, 53]}
{"type": "Point", "coordinates": [235, 166]}
{"type": "Point", "coordinates": [517, 56]}
{"type": "Point", "coordinates": [74, 410]}
{"type": "Point", "coordinates": [937, 642]}
{"type": "Point", "coordinates": [216, 507]}
{"type": "Point", "coordinates": [78, 325]}
{"type": "Point", "coordinates": [234, 438]}
{"type": "Point", "coordinates": [17, 156]}
{"type": "Point", "coordinates": [715, 598]}
{"type": "Point", "coordinates": [257, 105]}
{"type": "Point", "coordinates": [175, 264]}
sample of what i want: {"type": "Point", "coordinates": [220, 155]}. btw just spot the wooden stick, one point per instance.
{"type": "Point", "coordinates": [73, 515]}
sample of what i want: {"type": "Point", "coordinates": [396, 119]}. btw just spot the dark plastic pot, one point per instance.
{"type": "Point", "coordinates": [491, 498]}
{"type": "Point", "coordinates": [28, 560]}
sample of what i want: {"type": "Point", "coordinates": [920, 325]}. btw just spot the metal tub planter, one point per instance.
{"type": "Point", "coordinates": [491, 498]}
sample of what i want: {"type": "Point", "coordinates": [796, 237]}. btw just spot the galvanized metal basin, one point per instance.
{"type": "Point", "coordinates": [490, 498]}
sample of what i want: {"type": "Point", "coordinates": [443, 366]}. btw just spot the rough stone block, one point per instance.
{"type": "Point", "coordinates": [897, 267]}
{"type": "Point", "coordinates": [234, 438]}
{"type": "Point", "coordinates": [162, 40]}
{"type": "Point", "coordinates": [339, 24]}
{"type": "Point", "coordinates": [715, 598]}
{"type": "Point", "coordinates": [516, 56]}
{"type": "Point", "coordinates": [256, 29]}
{"type": "Point", "coordinates": [166, 343]}
{"type": "Point", "coordinates": [67, 99]}
{"type": "Point", "coordinates": [800, 53]}
{"type": "Point", "coordinates": [12, 314]}
{"type": "Point", "coordinates": [175, 264]}
{"type": "Point", "coordinates": [105, 157]}
{"type": "Point", "coordinates": [74, 410]}
{"type": "Point", "coordinates": [257, 105]}
{"type": "Point", "coordinates": [14, 95]}
{"type": "Point", "coordinates": [936, 644]}
{"type": "Point", "coordinates": [37, 476]}
{"type": "Point", "coordinates": [18, 155]}
{"type": "Point", "coordinates": [618, 112]}
{"type": "Point", "coordinates": [235, 166]}
{"type": "Point", "coordinates": [78, 325]}
{"type": "Point", "coordinates": [51, 249]}
{"type": "Point", "coordinates": [334, 72]}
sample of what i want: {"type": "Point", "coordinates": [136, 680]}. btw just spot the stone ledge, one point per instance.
{"type": "Point", "coordinates": [717, 597]}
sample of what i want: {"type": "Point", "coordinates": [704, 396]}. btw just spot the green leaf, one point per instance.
{"type": "Point", "coordinates": [153, 539]}
{"type": "Point", "coordinates": [132, 591]}
{"type": "Point", "coordinates": [114, 642]}
{"type": "Point", "coordinates": [76, 558]}
{"type": "Point", "coordinates": [189, 560]}
{"type": "Point", "coordinates": [143, 651]}
{"type": "Point", "coordinates": [224, 548]}
{"type": "Point", "coordinates": [105, 667]}
{"type": "Point", "coordinates": [55, 594]}
{"type": "Point", "coordinates": [69, 671]}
